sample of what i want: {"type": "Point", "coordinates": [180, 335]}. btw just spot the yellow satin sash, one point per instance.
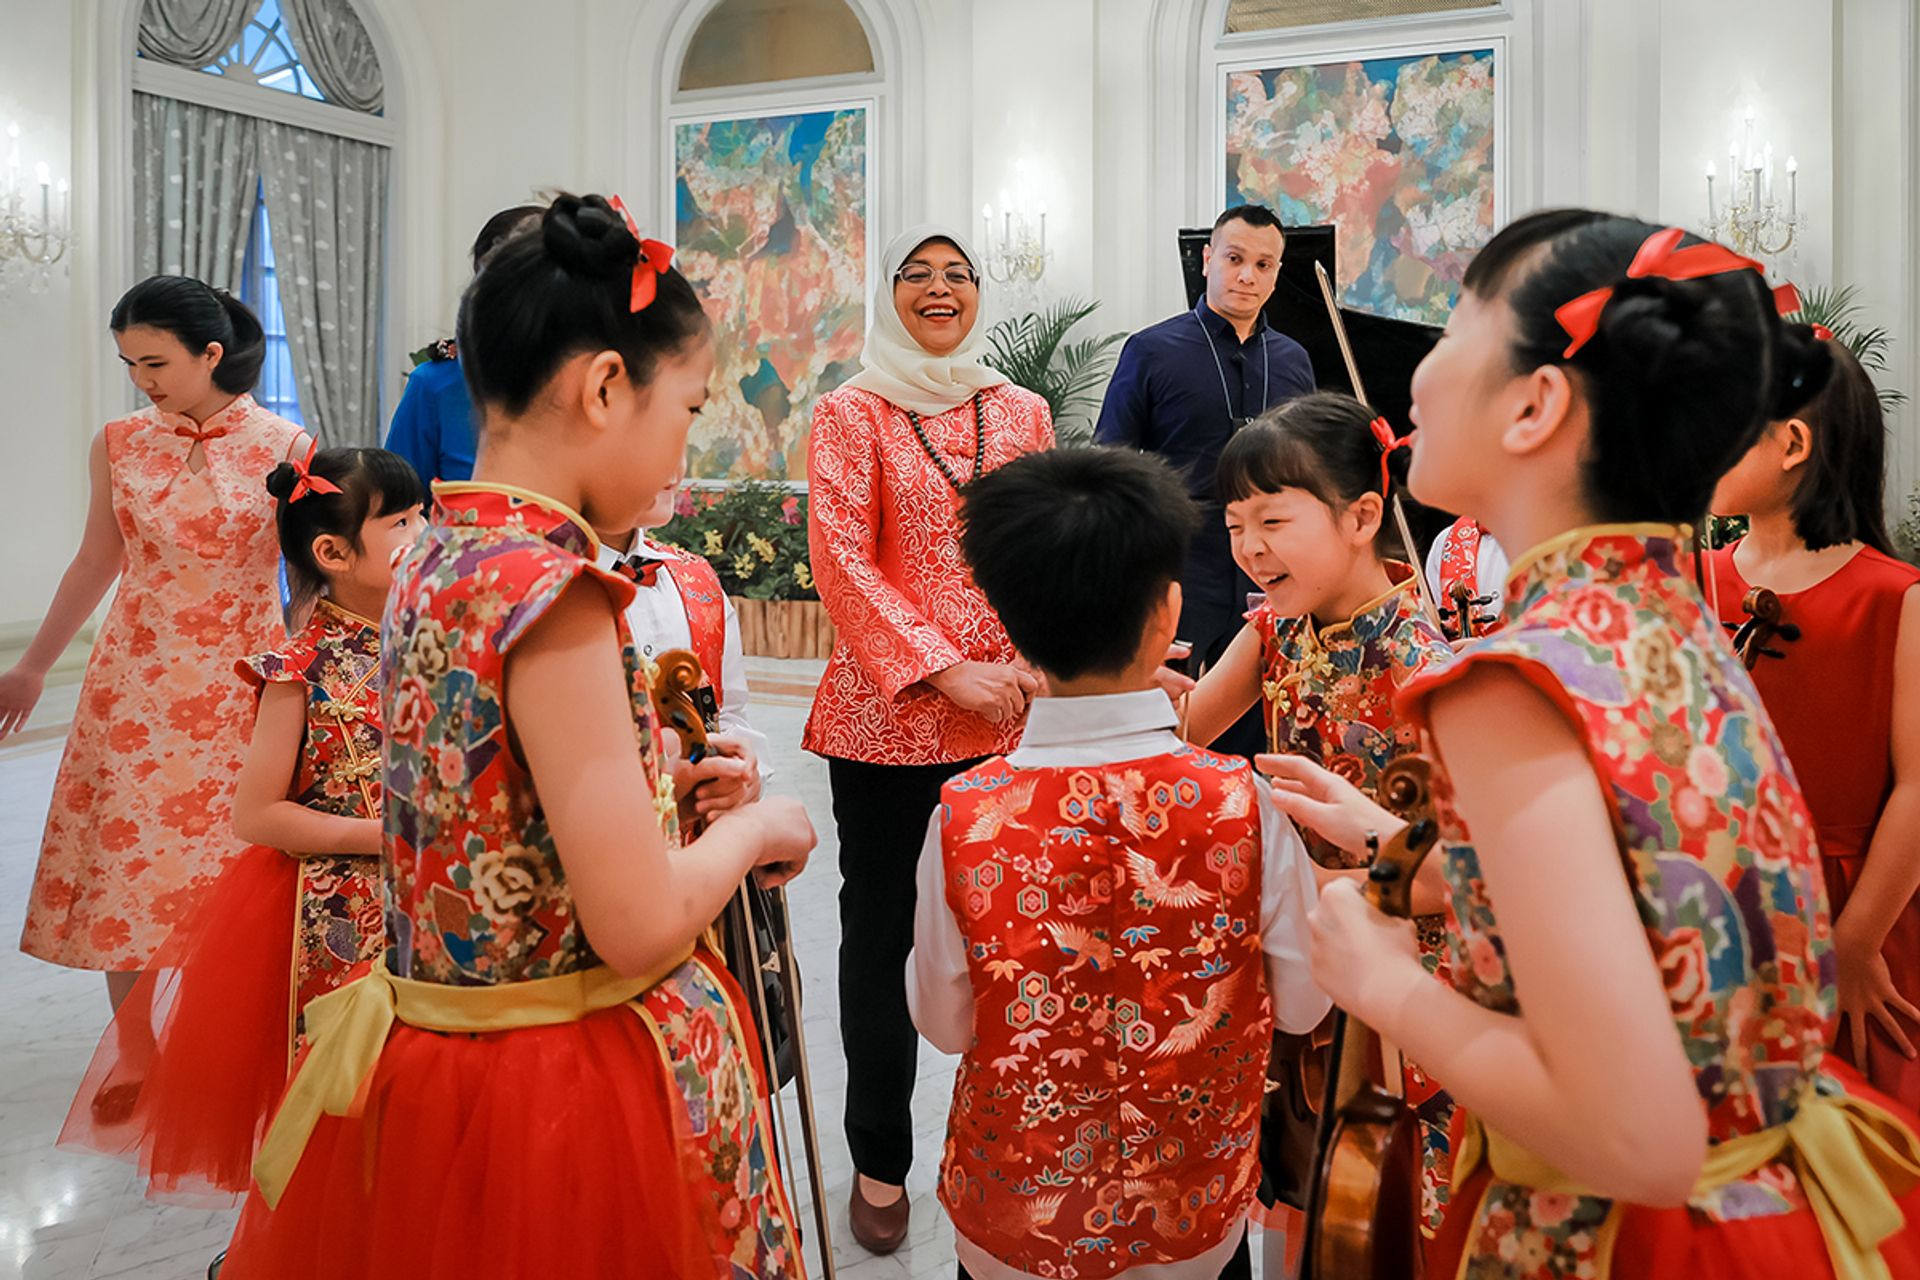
{"type": "Point", "coordinates": [346, 1030]}
{"type": "Point", "coordinates": [1852, 1157]}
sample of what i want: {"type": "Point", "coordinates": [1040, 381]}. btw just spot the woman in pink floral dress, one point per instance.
{"type": "Point", "coordinates": [141, 815]}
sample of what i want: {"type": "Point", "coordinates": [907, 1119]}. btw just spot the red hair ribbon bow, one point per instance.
{"type": "Point", "coordinates": [1823, 333]}
{"type": "Point", "coordinates": [655, 257]}
{"type": "Point", "coordinates": [309, 482]}
{"type": "Point", "coordinates": [1383, 432]}
{"type": "Point", "coordinates": [1661, 256]}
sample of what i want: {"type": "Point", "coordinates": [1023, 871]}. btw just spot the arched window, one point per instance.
{"type": "Point", "coordinates": [262, 156]}
{"type": "Point", "coordinates": [264, 55]}
{"type": "Point", "coordinates": [771, 140]}
{"type": "Point", "coordinates": [746, 42]}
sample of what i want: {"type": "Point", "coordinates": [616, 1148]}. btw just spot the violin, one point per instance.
{"type": "Point", "coordinates": [750, 920]}
{"type": "Point", "coordinates": [1766, 618]}
{"type": "Point", "coordinates": [1465, 604]}
{"type": "Point", "coordinates": [1363, 1206]}
{"type": "Point", "coordinates": [676, 685]}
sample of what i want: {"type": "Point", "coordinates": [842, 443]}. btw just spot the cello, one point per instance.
{"type": "Point", "coordinates": [1363, 1203]}
{"type": "Point", "coordinates": [674, 691]}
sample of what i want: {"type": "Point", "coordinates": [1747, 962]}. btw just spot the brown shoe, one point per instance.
{"type": "Point", "coordinates": [879, 1229]}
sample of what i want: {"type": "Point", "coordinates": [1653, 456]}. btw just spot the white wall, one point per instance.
{"type": "Point", "coordinates": [46, 429]}
{"type": "Point", "coordinates": [1719, 59]}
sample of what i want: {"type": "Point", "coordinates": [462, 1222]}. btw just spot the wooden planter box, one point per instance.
{"type": "Point", "coordinates": [784, 628]}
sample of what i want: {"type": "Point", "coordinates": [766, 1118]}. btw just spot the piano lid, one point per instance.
{"type": "Point", "coordinates": [1387, 350]}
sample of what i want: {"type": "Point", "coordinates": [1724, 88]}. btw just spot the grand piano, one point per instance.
{"type": "Point", "coordinates": [1387, 350]}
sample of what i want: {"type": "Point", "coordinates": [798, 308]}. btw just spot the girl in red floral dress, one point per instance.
{"type": "Point", "coordinates": [544, 1075]}
{"type": "Point", "coordinates": [292, 915]}
{"type": "Point", "coordinates": [1844, 687]}
{"type": "Point", "coordinates": [1342, 629]}
{"type": "Point", "coordinates": [1641, 958]}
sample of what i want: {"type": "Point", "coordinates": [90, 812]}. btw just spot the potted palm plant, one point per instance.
{"type": "Point", "coordinates": [1033, 351]}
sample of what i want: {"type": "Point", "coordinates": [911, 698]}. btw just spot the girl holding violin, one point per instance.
{"type": "Point", "coordinates": [546, 1073]}
{"type": "Point", "coordinates": [1307, 488]}
{"type": "Point", "coordinates": [1641, 965]}
{"type": "Point", "coordinates": [1835, 624]}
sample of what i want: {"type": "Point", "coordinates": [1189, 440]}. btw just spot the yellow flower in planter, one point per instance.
{"type": "Point", "coordinates": [745, 566]}
{"type": "Point", "coordinates": [714, 545]}
{"type": "Point", "coordinates": [761, 547]}
{"type": "Point", "coordinates": [803, 575]}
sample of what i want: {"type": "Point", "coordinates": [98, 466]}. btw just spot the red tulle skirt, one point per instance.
{"type": "Point", "coordinates": [1886, 1068]}
{"type": "Point", "coordinates": [196, 1058]}
{"type": "Point", "coordinates": [1679, 1244]}
{"type": "Point", "coordinates": [546, 1151]}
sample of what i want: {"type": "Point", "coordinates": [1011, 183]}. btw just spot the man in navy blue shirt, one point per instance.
{"type": "Point", "coordinates": [1182, 387]}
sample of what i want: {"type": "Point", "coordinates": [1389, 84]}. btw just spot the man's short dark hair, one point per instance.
{"type": "Point", "coordinates": [1254, 215]}
{"type": "Point", "coordinates": [1073, 549]}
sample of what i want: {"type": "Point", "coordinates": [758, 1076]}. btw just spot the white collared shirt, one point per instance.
{"type": "Point", "coordinates": [658, 619]}
{"type": "Point", "coordinates": [1076, 732]}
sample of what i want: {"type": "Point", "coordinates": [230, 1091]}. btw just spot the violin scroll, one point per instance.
{"type": "Point", "coordinates": [1406, 788]}
{"type": "Point", "coordinates": [1766, 619]}
{"type": "Point", "coordinates": [675, 679]}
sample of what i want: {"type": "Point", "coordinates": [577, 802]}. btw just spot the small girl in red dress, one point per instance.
{"type": "Point", "coordinates": [545, 1074]}
{"type": "Point", "coordinates": [1642, 966]}
{"type": "Point", "coordinates": [1843, 686]}
{"type": "Point", "coordinates": [1343, 627]}
{"type": "Point", "coordinates": [291, 916]}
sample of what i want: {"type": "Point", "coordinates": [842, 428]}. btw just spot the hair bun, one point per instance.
{"type": "Point", "coordinates": [1801, 369]}
{"type": "Point", "coordinates": [281, 481]}
{"type": "Point", "coordinates": [587, 236]}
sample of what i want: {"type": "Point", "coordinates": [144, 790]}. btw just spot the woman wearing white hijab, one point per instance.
{"type": "Point", "coordinates": [923, 682]}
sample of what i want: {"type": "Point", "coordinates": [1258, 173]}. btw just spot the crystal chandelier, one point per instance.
{"type": "Point", "coordinates": [34, 233]}
{"type": "Point", "coordinates": [1750, 219]}
{"type": "Point", "coordinates": [1019, 257]}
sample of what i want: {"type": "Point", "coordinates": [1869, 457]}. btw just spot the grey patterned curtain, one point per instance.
{"type": "Point", "coordinates": [333, 44]}
{"type": "Point", "coordinates": [193, 189]}
{"type": "Point", "coordinates": [326, 205]}
{"type": "Point", "coordinates": [191, 33]}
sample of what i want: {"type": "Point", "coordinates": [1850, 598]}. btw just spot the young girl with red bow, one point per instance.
{"type": "Point", "coordinates": [546, 1074]}
{"type": "Point", "coordinates": [1308, 489]}
{"type": "Point", "coordinates": [1642, 967]}
{"type": "Point", "coordinates": [293, 915]}
{"type": "Point", "coordinates": [1841, 679]}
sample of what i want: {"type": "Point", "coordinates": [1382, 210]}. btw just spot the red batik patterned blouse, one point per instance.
{"type": "Point", "coordinates": [885, 548]}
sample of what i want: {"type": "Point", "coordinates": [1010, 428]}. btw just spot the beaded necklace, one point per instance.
{"type": "Point", "coordinates": [979, 444]}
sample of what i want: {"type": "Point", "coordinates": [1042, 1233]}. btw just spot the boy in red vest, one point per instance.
{"type": "Point", "coordinates": [1109, 921]}
{"type": "Point", "coordinates": [679, 604]}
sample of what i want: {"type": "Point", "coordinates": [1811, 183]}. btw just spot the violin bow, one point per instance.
{"type": "Point", "coordinates": [1360, 394]}
{"type": "Point", "coordinates": [677, 675]}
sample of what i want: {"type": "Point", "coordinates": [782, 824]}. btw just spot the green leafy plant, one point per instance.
{"type": "Point", "coordinates": [753, 532]}
{"type": "Point", "coordinates": [1839, 308]}
{"type": "Point", "coordinates": [1906, 534]}
{"type": "Point", "coordinates": [1033, 352]}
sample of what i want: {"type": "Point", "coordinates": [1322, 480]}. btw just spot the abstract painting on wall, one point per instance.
{"type": "Point", "coordinates": [771, 228]}
{"type": "Point", "coordinates": [1397, 152]}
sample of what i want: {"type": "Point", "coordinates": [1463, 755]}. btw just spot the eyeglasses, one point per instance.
{"type": "Point", "coordinates": [920, 275]}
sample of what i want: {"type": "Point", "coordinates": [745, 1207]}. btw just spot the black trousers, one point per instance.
{"type": "Point", "coordinates": [881, 811]}
{"type": "Point", "coordinates": [1239, 1266]}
